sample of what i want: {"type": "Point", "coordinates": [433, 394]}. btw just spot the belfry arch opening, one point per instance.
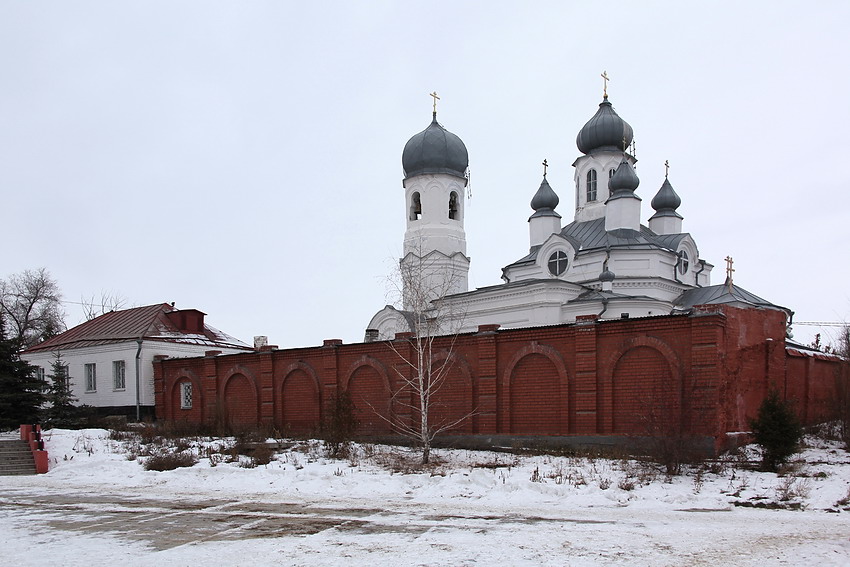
{"type": "Point", "coordinates": [415, 206]}
{"type": "Point", "coordinates": [454, 206]}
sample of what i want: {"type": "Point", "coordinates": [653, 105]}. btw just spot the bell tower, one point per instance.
{"type": "Point", "coordinates": [434, 263]}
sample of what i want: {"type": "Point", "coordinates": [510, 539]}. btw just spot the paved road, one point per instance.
{"type": "Point", "coordinates": [192, 530]}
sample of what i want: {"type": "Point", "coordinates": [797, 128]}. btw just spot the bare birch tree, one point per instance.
{"type": "Point", "coordinates": [426, 351]}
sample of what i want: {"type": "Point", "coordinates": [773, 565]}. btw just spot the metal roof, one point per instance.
{"type": "Point", "coordinates": [605, 131]}
{"type": "Point", "coordinates": [148, 323]}
{"type": "Point", "coordinates": [434, 150]}
{"type": "Point", "coordinates": [723, 293]}
{"type": "Point", "coordinates": [590, 235]}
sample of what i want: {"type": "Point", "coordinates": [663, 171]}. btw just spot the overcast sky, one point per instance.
{"type": "Point", "coordinates": [244, 158]}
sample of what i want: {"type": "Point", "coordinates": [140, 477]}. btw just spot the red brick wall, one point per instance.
{"type": "Point", "coordinates": [705, 374]}
{"type": "Point", "coordinates": [299, 402]}
{"type": "Point", "coordinates": [240, 402]}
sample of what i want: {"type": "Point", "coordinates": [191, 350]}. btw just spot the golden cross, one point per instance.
{"type": "Point", "coordinates": [729, 270]}
{"type": "Point", "coordinates": [605, 80]}
{"type": "Point", "coordinates": [666, 168]}
{"type": "Point", "coordinates": [545, 165]}
{"type": "Point", "coordinates": [436, 98]}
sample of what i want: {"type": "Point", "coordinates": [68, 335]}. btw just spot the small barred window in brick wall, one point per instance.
{"type": "Point", "coordinates": [186, 395]}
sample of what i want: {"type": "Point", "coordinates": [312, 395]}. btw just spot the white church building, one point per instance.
{"type": "Point", "coordinates": [603, 263]}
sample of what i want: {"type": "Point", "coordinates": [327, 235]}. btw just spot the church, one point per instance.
{"type": "Point", "coordinates": [606, 330]}
{"type": "Point", "coordinates": [603, 263]}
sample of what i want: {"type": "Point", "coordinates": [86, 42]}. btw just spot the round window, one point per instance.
{"type": "Point", "coordinates": [558, 263]}
{"type": "Point", "coordinates": [683, 262]}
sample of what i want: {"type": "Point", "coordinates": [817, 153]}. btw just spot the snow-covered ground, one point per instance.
{"type": "Point", "coordinates": [96, 506]}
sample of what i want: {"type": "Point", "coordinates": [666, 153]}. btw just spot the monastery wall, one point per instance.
{"type": "Point", "coordinates": [702, 374]}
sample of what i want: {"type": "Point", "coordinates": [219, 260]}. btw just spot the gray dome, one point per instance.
{"type": "Point", "coordinates": [434, 150]}
{"type": "Point", "coordinates": [666, 199]}
{"type": "Point", "coordinates": [606, 276]}
{"type": "Point", "coordinates": [605, 131]}
{"type": "Point", "coordinates": [545, 198]}
{"type": "Point", "coordinates": [624, 178]}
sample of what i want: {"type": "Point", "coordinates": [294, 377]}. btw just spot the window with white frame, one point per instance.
{"type": "Point", "coordinates": [39, 373]}
{"type": "Point", "coordinates": [118, 375]}
{"type": "Point", "coordinates": [185, 395]}
{"type": "Point", "coordinates": [591, 185]}
{"type": "Point", "coordinates": [683, 262]}
{"type": "Point", "coordinates": [91, 377]}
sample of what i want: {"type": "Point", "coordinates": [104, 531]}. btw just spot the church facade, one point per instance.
{"type": "Point", "coordinates": [603, 263]}
{"type": "Point", "coordinates": [606, 330]}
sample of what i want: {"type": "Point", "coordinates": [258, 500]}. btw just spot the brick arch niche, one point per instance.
{"type": "Point", "coordinates": [646, 393]}
{"type": "Point", "coordinates": [240, 402]}
{"type": "Point", "coordinates": [194, 414]}
{"type": "Point", "coordinates": [537, 393]}
{"type": "Point", "coordinates": [300, 401]}
{"type": "Point", "coordinates": [452, 404]}
{"type": "Point", "coordinates": [368, 386]}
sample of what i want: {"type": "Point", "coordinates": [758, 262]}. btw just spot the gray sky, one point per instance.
{"type": "Point", "coordinates": [244, 158]}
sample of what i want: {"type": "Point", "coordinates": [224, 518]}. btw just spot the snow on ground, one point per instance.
{"type": "Point", "coordinates": [472, 508]}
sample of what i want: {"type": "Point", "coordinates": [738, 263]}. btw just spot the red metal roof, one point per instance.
{"type": "Point", "coordinates": [148, 323]}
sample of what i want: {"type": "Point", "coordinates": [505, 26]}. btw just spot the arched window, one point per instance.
{"type": "Point", "coordinates": [683, 262]}
{"type": "Point", "coordinates": [453, 207]}
{"type": "Point", "coordinates": [591, 185]}
{"type": "Point", "coordinates": [415, 207]}
{"type": "Point", "coordinates": [610, 173]}
{"type": "Point", "coordinates": [558, 263]}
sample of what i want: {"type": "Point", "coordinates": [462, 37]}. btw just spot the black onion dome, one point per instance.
{"type": "Point", "coordinates": [545, 198]}
{"type": "Point", "coordinates": [605, 131]}
{"type": "Point", "coordinates": [606, 276]}
{"type": "Point", "coordinates": [434, 150]}
{"type": "Point", "coordinates": [624, 178]}
{"type": "Point", "coordinates": [666, 199]}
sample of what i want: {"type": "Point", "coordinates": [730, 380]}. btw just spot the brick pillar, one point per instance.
{"type": "Point", "coordinates": [406, 412]}
{"type": "Point", "coordinates": [330, 380]}
{"type": "Point", "coordinates": [485, 421]}
{"type": "Point", "coordinates": [707, 385]}
{"type": "Point", "coordinates": [265, 384]}
{"type": "Point", "coordinates": [162, 409]}
{"type": "Point", "coordinates": [590, 397]}
{"type": "Point", "coordinates": [209, 382]}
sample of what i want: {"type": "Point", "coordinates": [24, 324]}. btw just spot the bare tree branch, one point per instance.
{"type": "Point", "coordinates": [31, 303]}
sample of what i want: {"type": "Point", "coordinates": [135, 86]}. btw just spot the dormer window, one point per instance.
{"type": "Point", "coordinates": [415, 207]}
{"type": "Point", "coordinates": [610, 173]}
{"type": "Point", "coordinates": [591, 185]}
{"type": "Point", "coordinates": [453, 206]}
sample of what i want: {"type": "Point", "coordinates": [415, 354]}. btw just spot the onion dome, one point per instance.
{"type": "Point", "coordinates": [624, 179]}
{"type": "Point", "coordinates": [605, 131]}
{"type": "Point", "coordinates": [606, 275]}
{"type": "Point", "coordinates": [545, 198]}
{"type": "Point", "coordinates": [434, 150]}
{"type": "Point", "coordinates": [666, 200]}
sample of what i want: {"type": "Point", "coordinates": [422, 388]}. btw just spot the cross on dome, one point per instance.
{"type": "Point", "coordinates": [605, 80]}
{"type": "Point", "coordinates": [436, 98]}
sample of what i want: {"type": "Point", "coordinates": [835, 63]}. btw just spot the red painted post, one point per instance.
{"type": "Point", "coordinates": [41, 461]}
{"type": "Point", "coordinates": [26, 429]}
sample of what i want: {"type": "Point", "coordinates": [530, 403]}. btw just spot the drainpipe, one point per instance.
{"type": "Point", "coordinates": [138, 381]}
{"type": "Point", "coordinates": [696, 274]}
{"type": "Point", "coordinates": [604, 307]}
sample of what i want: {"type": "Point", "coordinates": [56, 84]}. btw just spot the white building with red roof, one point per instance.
{"type": "Point", "coordinates": [109, 358]}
